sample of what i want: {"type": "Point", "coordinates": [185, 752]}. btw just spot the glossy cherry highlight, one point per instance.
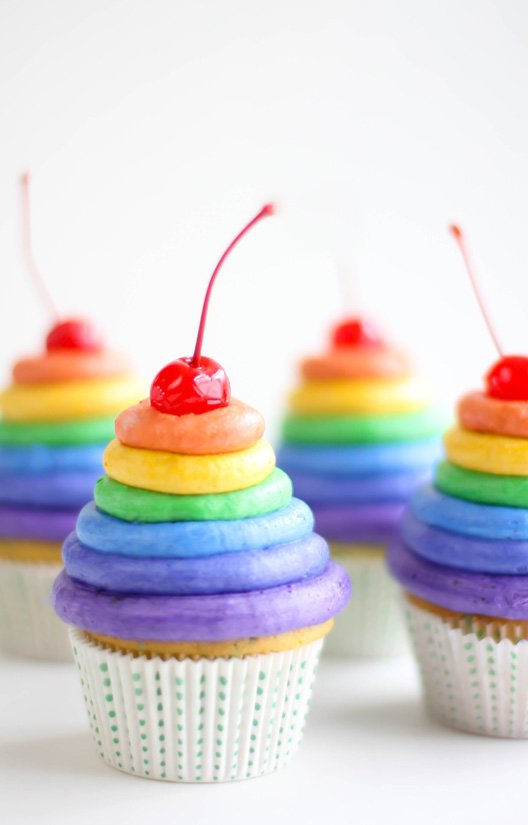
{"type": "Point", "coordinates": [74, 334]}
{"type": "Point", "coordinates": [198, 384]}
{"type": "Point", "coordinates": [508, 379]}
{"type": "Point", "coordinates": [356, 332]}
{"type": "Point", "coordinates": [187, 388]}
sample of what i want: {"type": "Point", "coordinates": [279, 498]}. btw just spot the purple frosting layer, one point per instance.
{"type": "Point", "coordinates": [368, 489]}
{"type": "Point", "coordinates": [35, 523]}
{"type": "Point", "coordinates": [459, 590]}
{"type": "Point", "coordinates": [203, 618]}
{"type": "Point", "coordinates": [60, 490]}
{"type": "Point", "coordinates": [221, 573]}
{"type": "Point", "coordinates": [369, 523]}
{"type": "Point", "coordinates": [465, 552]}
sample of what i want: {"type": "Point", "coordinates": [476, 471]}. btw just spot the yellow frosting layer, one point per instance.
{"type": "Point", "coordinates": [486, 453]}
{"type": "Point", "coordinates": [189, 474]}
{"type": "Point", "coordinates": [31, 551]}
{"type": "Point", "coordinates": [90, 398]}
{"type": "Point", "coordinates": [213, 650]}
{"type": "Point", "coordinates": [376, 395]}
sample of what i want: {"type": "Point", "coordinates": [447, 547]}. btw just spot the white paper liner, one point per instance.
{"type": "Point", "coordinates": [28, 624]}
{"type": "Point", "coordinates": [371, 625]}
{"type": "Point", "coordinates": [212, 720]}
{"type": "Point", "coordinates": [470, 683]}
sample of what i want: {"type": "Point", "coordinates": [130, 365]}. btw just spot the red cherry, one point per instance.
{"type": "Point", "coordinates": [198, 384]}
{"type": "Point", "coordinates": [181, 388]}
{"type": "Point", "coordinates": [354, 332]}
{"type": "Point", "coordinates": [74, 334]}
{"type": "Point", "coordinates": [508, 379]}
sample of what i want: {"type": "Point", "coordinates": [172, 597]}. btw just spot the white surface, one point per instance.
{"type": "Point", "coordinates": [370, 755]}
{"type": "Point", "coordinates": [154, 129]}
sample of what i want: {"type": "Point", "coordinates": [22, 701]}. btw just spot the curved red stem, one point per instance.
{"type": "Point", "coordinates": [268, 209]}
{"type": "Point", "coordinates": [458, 235]}
{"type": "Point", "coordinates": [27, 244]}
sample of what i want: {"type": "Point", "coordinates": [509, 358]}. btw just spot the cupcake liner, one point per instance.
{"type": "Point", "coordinates": [205, 720]}
{"type": "Point", "coordinates": [28, 624]}
{"type": "Point", "coordinates": [371, 625]}
{"type": "Point", "coordinates": [473, 682]}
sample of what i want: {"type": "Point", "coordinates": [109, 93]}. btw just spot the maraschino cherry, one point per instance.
{"type": "Point", "coordinates": [198, 384]}
{"type": "Point", "coordinates": [69, 334]}
{"type": "Point", "coordinates": [507, 379]}
{"type": "Point", "coordinates": [74, 334]}
{"type": "Point", "coordinates": [356, 332]}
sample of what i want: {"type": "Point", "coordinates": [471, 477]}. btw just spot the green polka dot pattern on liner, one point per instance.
{"type": "Point", "coordinates": [203, 721]}
{"type": "Point", "coordinates": [474, 684]}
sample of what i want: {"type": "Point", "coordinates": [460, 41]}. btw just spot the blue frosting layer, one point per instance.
{"type": "Point", "coordinates": [188, 539]}
{"type": "Point", "coordinates": [359, 460]}
{"type": "Point", "coordinates": [40, 458]}
{"type": "Point", "coordinates": [436, 509]}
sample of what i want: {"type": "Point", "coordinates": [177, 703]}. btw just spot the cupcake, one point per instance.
{"type": "Point", "coordinates": [360, 436]}
{"type": "Point", "coordinates": [462, 559]}
{"type": "Point", "coordinates": [56, 417]}
{"type": "Point", "coordinates": [197, 593]}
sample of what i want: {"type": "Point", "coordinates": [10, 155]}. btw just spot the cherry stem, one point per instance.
{"type": "Point", "coordinates": [348, 286]}
{"type": "Point", "coordinates": [458, 235]}
{"type": "Point", "coordinates": [27, 245]}
{"type": "Point", "coordinates": [268, 209]}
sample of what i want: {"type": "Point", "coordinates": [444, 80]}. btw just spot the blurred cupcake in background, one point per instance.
{"type": "Point", "coordinates": [361, 433]}
{"type": "Point", "coordinates": [55, 419]}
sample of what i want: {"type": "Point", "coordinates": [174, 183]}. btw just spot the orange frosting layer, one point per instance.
{"type": "Point", "coordinates": [356, 362]}
{"type": "Point", "coordinates": [224, 430]}
{"type": "Point", "coordinates": [479, 412]}
{"type": "Point", "coordinates": [55, 367]}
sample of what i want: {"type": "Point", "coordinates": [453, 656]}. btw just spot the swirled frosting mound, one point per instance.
{"type": "Point", "coordinates": [361, 434]}
{"type": "Point", "coordinates": [194, 545]}
{"type": "Point", "coordinates": [464, 538]}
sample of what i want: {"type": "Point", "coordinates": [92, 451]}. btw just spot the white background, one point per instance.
{"type": "Point", "coordinates": [154, 130]}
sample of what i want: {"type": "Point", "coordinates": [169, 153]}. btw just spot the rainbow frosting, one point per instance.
{"type": "Point", "coordinates": [194, 545]}
{"type": "Point", "coordinates": [56, 417]}
{"type": "Point", "coordinates": [464, 539]}
{"type": "Point", "coordinates": [360, 436]}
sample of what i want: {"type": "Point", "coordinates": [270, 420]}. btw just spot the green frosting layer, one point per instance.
{"type": "Point", "coordinates": [133, 504]}
{"type": "Point", "coordinates": [483, 488]}
{"type": "Point", "coordinates": [57, 433]}
{"type": "Point", "coordinates": [364, 429]}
